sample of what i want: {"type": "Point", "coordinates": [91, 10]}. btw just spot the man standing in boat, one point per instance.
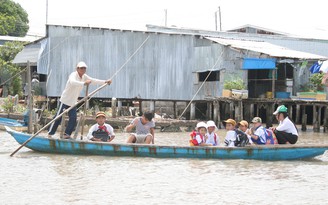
{"type": "Point", "coordinates": [144, 129]}
{"type": "Point", "coordinates": [70, 95]}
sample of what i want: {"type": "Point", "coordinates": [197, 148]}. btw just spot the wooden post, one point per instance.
{"type": "Point", "coordinates": [304, 118]}
{"type": "Point", "coordinates": [30, 98]}
{"type": "Point", "coordinates": [140, 107]}
{"type": "Point", "coordinates": [298, 113]}
{"type": "Point", "coordinates": [231, 109]}
{"type": "Point", "coordinates": [316, 128]}
{"type": "Point", "coordinates": [152, 106]}
{"type": "Point", "coordinates": [114, 107]}
{"type": "Point", "coordinates": [175, 110]}
{"type": "Point", "coordinates": [215, 111]}
{"type": "Point", "coordinates": [290, 111]}
{"type": "Point", "coordinates": [119, 107]}
{"type": "Point", "coordinates": [251, 111]}
{"type": "Point", "coordinates": [192, 110]}
{"type": "Point", "coordinates": [209, 110]}
{"type": "Point", "coordinates": [269, 112]}
{"type": "Point", "coordinates": [325, 121]}
{"type": "Point", "coordinates": [219, 117]}
{"type": "Point", "coordinates": [237, 116]}
{"type": "Point", "coordinates": [319, 118]}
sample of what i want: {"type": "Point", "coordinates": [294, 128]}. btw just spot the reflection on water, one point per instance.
{"type": "Point", "coordinates": [30, 178]}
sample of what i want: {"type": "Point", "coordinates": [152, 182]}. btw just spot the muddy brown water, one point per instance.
{"type": "Point", "coordinates": [37, 178]}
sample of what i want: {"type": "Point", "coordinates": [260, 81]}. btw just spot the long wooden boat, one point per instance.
{"type": "Point", "coordinates": [272, 152]}
{"type": "Point", "coordinates": [12, 124]}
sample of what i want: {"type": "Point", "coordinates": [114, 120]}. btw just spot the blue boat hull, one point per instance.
{"type": "Point", "coordinates": [10, 122]}
{"type": "Point", "coordinates": [273, 152]}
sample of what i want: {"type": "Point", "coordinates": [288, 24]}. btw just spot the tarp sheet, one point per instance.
{"type": "Point", "coordinates": [259, 63]}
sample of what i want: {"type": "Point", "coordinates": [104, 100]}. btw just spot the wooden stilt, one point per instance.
{"type": "Point", "coordinates": [237, 112]}
{"type": "Point", "coordinates": [290, 111]}
{"type": "Point", "coordinates": [152, 106]}
{"type": "Point", "coordinates": [269, 112]}
{"type": "Point", "coordinates": [316, 128]}
{"type": "Point", "coordinates": [219, 116]}
{"type": "Point", "coordinates": [325, 121]}
{"type": "Point", "coordinates": [319, 118]}
{"type": "Point", "coordinates": [192, 110]}
{"type": "Point", "coordinates": [231, 110]}
{"type": "Point", "coordinates": [215, 111]}
{"type": "Point", "coordinates": [209, 114]}
{"type": "Point", "coordinates": [304, 118]}
{"type": "Point", "coordinates": [113, 107]}
{"type": "Point", "coordinates": [119, 108]}
{"type": "Point", "coordinates": [251, 111]}
{"type": "Point", "coordinates": [175, 114]}
{"type": "Point", "coordinates": [241, 110]}
{"type": "Point", "coordinates": [298, 113]}
{"type": "Point", "coordinates": [140, 106]}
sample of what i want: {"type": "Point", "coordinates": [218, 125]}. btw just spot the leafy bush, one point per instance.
{"type": "Point", "coordinates": [237, 84]}
{"type": "Point", "coordinates": [8, 105]}
{"type": "Point", "coordinates": [315, 80]}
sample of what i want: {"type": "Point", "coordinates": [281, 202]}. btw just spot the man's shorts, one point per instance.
{"type": "Point", "coordinates": [141, 138]}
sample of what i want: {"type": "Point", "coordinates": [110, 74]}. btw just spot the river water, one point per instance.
{"type": "Point", "coordinates": [36, 178]}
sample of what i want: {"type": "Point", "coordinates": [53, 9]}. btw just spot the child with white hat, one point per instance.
{"type": "Point", "coordinates": [211, 136]}
{"type": "Point", "coordinates": [198, 137]}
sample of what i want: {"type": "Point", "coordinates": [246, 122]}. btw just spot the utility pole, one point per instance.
{"type": "Point", "coordinates": [220, 18]}
{"type": "Point", "coordinates": [165, 11]}
{"type": "Point", "coordinates": [46, 16]}
{"type": "Point", "coordinates": [216, 19]}
{"type": "Point", "coordinates": [30, 98]}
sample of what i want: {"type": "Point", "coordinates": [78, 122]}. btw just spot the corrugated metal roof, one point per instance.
{"type": "Point", "coordinates": [26, 38]}
{"type": "Point", "coordinates": [309, 45]}
{"type": "Point", "coordinates": [29, 53]}
{"type": "Point", "coordinates": [266, 48]}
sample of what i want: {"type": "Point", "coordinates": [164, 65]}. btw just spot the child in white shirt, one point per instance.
{"type": "Point", "coordinates": [211, 136]}
{"type": "Point", "coordinates": [101, 131]}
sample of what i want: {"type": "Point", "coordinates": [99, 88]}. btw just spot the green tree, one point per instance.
{"type": "Point", "coordinates": [7, 53]}
{"type": "Point", "coordinates": [13, 19]}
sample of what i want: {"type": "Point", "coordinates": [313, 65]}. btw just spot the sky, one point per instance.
{"type": "Point", "coordinates": [303, 18]}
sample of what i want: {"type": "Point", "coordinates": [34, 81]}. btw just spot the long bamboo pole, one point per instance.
{"type": "Point", "coordinates": [84, 112]}
{"type": "Point", "coordinates": [66, 111]}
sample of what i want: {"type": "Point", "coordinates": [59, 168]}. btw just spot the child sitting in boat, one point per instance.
{"type": "Point", "coordinates": [230, 138]}
{"type": "Point", "coordinates": [259, 134]}
{"type": "Point", "coordinates": [234, 137]}
{"type": "Point", "coordinates": [243, 126]}
{"type": "Point", "coordinates": [101, 132]}
{"type": "Point", "coordinates": [144, 129]}
{"type": "Point", "coordinates": [211, 136]}
{"type": "Point", "coordinates": [198, 136]}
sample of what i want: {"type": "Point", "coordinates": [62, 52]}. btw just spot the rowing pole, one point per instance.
{"type": "Point", "coordinates": [56, 118]}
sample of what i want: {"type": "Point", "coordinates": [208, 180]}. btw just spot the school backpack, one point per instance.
{"type": "Point", "coordinates": [270, 136]}
{"type": "Point", "coordinates": [241, 139]}
{"type": "Point", "coordinates": [102, 134]}
{"type": "Point", "coordinates": [193, 141]}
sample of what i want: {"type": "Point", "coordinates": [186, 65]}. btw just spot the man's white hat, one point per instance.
{"type": "Point", "coordinates": [81, 64]}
